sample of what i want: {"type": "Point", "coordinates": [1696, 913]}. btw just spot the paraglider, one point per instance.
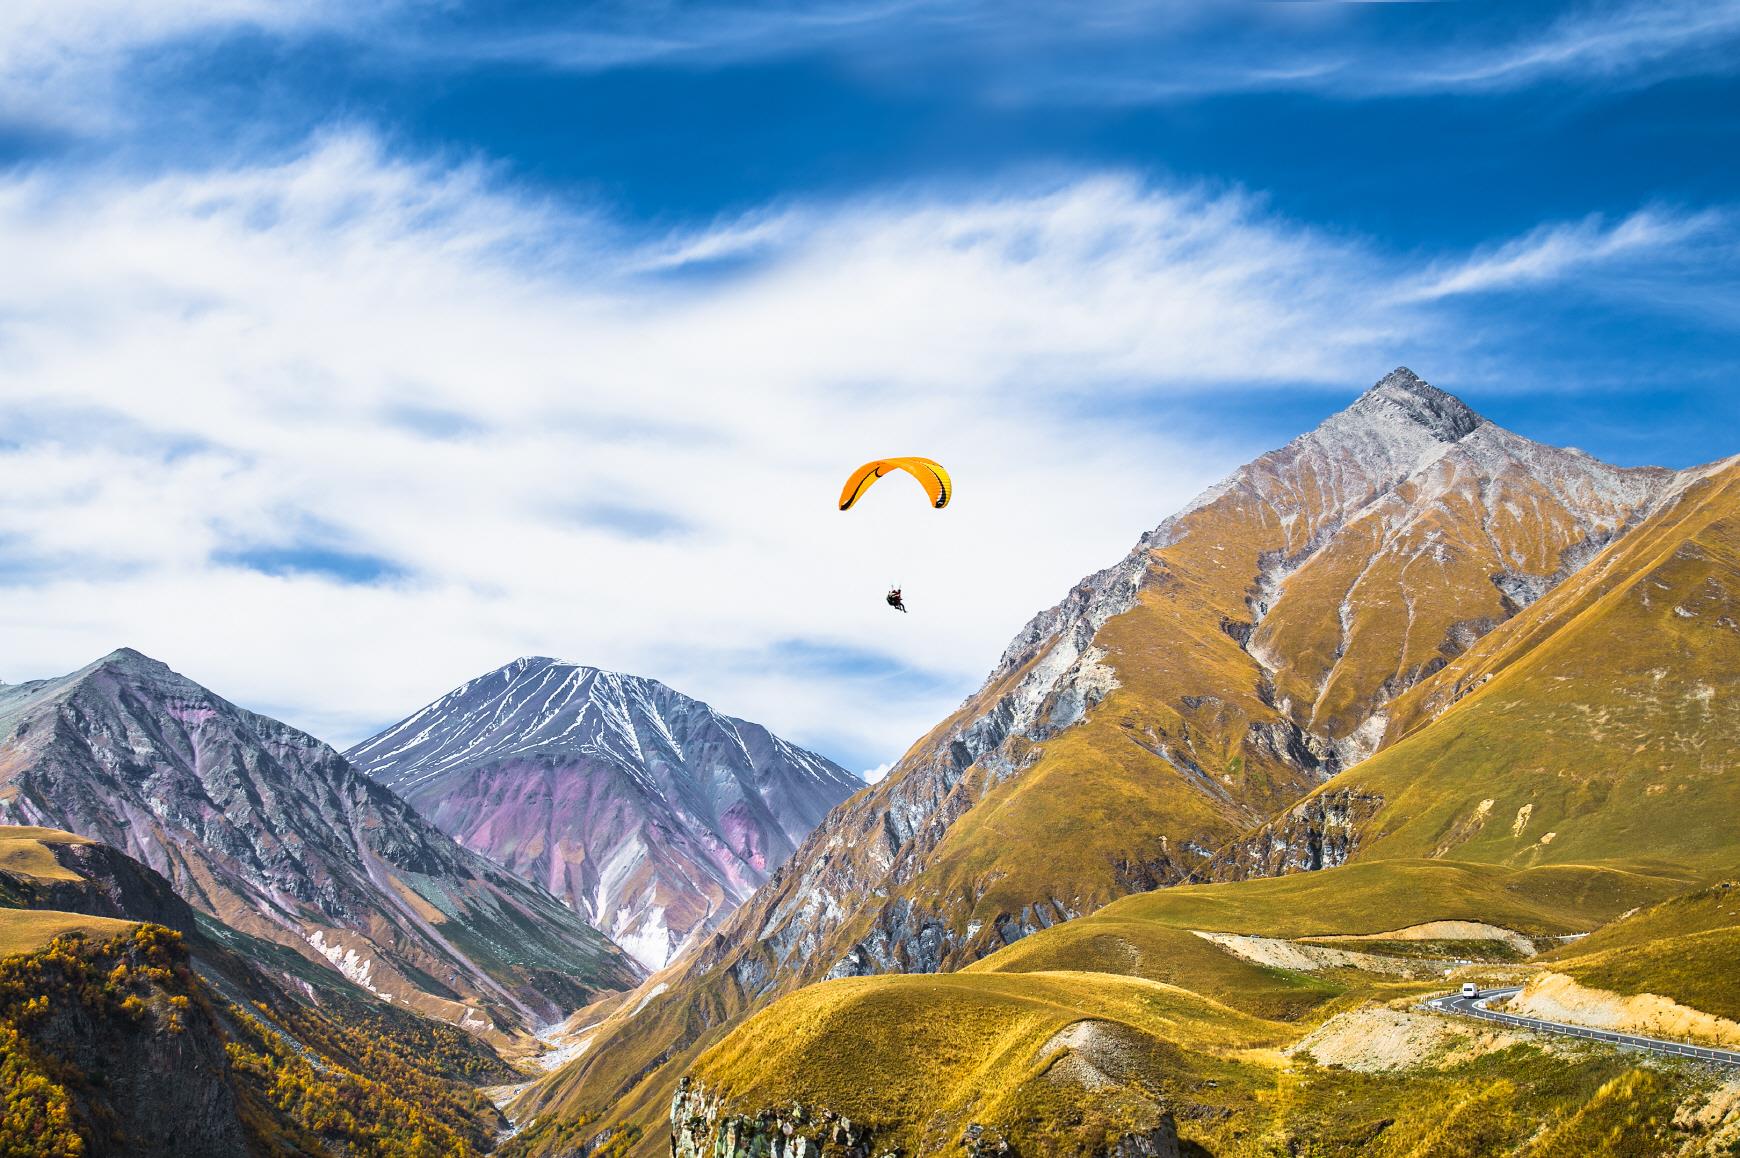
{"type": "Point", "coordinates": [930, 475]}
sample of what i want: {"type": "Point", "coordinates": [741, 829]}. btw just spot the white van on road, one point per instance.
{"type": "Point", "coordinates": [1470, 989]}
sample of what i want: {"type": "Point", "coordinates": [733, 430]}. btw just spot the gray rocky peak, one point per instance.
{"type": "Point", "coordinates": [1446, 416]}
{"type": "Point", "coordinates": [126, 659]}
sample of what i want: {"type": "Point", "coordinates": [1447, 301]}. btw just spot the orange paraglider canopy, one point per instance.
{"type": "Point", "coordinates": [930, 475]}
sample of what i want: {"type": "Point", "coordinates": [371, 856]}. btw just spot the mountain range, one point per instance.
{"type": "Point", "coordinates": [1412, 697]}
{"type": "Point", "coordinates": [1294, 672]}
{"type": "Point", "coordinates": [273, 834]}
{"type": "Point", "coordinates": [645, 810]}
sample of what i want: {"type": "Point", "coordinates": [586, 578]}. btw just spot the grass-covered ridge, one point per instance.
{"type": "Point", "coordinates": [1590, 729]}
{"type": "Point", "coordinates": [28, 867]}
{"type": "Point", "coordinates": [1009, 1050]}
{"type": "Point", "coordinates": [25, 852]}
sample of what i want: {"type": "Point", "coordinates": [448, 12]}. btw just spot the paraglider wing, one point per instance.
{"type": "Point", "coordinates": [930, 475]}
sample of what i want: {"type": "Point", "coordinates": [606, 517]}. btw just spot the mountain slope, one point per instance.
{"type": "Point", "coordinates": [1130, 1031]}
{"type": "Point", "coordinates": [273, 833]}
{"type": "Point", "coordinates": [1249, 648]}
{"type": "Point", "coordinates": [1596, 727]}
{"type": "Point", "coordinates": [119, 1035]}
{"type": "Point", "coordinates": [646, 810]}
{"type": "Point", "coordinates": [1244, 652]}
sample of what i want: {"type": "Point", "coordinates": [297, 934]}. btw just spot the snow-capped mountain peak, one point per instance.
{"type": "Point", "coordinates": [646, 809]}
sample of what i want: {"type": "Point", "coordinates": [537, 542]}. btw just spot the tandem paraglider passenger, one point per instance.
{"type": "Point", "coordinates": [894, 599]}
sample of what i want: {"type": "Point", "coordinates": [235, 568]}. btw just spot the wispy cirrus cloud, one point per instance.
{"type": "Point", "coordinates": [389, 422]}
{"type": "Point", "coordinates": [1041, 51]}
{"type": "Point", "coordinates": [1604, 42]}
{"type": "Point", "coordinates": [73, 64]}
{"type": "Point", "coordinates": [1559, 250]}
{"type": "Point", "coordinates": [62, 62]}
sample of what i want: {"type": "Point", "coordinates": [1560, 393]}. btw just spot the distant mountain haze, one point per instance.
{"type": "Point", "coordinates": [646, 810]}
{"type": "Point", "coordinates": [276, 835]}
{"type": "Point", "coordinates": [1247, 650]}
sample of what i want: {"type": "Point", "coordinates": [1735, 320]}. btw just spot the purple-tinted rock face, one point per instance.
{"type": "Point", "coordinates": [650, 812]}
{"type": "Point", "coordinates": [275, 834]}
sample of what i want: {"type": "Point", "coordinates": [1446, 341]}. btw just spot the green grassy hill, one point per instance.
{"type": "Point", "coordinates": [1684, 949]}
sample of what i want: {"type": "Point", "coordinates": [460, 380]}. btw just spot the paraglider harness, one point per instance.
{"type": "Point", "coordinates": [894, 599]}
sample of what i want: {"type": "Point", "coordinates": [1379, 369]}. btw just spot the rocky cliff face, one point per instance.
{"type": "Point", "coordinates": [1246, 650]}
{"type": "Point", "coordinates": [1322, 831]}
{"type": "Point", "coordinates": [97, 881]}
{"type": "Point", "coordinates": [275, 834]}
{"type": "Point", "coordinates": [702, 1126]}
{"type": "Point", "coordinates": [646, 810]}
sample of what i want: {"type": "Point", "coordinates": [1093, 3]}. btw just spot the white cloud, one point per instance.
{"type": "Point", "coordinates": [1555, 251]}
{"type": "Point", "coordinates": [1143, 52]}
{"type": "Point", "coordinates": [1603, 42]}
{"type": "Point", "coordinates": [60, 59]}
{"type": "Point", "coordinates": [526, 431]}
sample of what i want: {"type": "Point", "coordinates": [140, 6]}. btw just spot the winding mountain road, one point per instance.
{"type": "Point", "coordinates": [1476, 1007]}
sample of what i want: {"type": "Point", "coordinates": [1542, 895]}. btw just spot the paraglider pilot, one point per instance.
{"type": "Point", "coordinates": [930, 475]}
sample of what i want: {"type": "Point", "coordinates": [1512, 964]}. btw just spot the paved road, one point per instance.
{"type": "Point", "coordinates": [1476, 1007]}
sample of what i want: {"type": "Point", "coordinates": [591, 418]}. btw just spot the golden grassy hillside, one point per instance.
{"type": "Point", "coordinates": [997, 1049]}
{"type": "Point", "coordinates": [1590, 729]}
{"type": "Point", "coordinates": [27, 852]}
{"type": "Point", "coordinates": [26, 930]}
{"type": "Point", "coordinates": [27, 857]}
{"type": "Point", "coordinates": [1683, 949]}
{"type": "Point", "coordinates": [1070, 1039]}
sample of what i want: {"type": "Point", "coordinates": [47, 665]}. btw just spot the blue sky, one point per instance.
{"type": "Point", "coordinates": [344, 355]}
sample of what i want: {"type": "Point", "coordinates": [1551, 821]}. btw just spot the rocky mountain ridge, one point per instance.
{"type": "Point", "coordinates": [273, 833]}
{"type": "Point", "coordinates": [645, 809]}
